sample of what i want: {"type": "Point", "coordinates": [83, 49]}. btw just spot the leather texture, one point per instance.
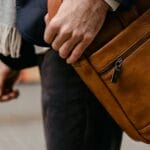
{"type": "Point", "coordinates": [127, 100]}
{"type": "Point", "coordinates": [53, 6]}
{"type": "Point", "coordinates": [116, 68]}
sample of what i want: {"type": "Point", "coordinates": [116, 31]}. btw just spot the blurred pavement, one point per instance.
{"type": "Point", "coordinates": [21, 123]}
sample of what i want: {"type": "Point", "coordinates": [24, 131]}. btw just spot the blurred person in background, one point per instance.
{"type": "Point", "coordinates": [73, 118]}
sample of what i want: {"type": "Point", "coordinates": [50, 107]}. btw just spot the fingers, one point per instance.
{"type": "Point", "coordinates": [52, 29]}
{"type": "Point", "coordinates": [73, 48]}
{"type": "Point", "coordinates": [66, 49]}
{"type": "Point", "coordinates": [1, 90]}
{"type": "Point", "coordinates": [46, 19]}
{"type": "Point", "coordinates": [61, 38]}
{"type": "Point", "coordinates": [79, 49]}
{"type": "Point", "coordinates": [72, 29]}
{"type": "Point", "coordinates": [70, 45]}
{"type": "Point", "coordinates": [1, 84]}
{"type": "Point", "coordinates": [9, 96]}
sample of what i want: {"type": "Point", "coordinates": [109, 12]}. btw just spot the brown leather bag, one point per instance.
{"type": "Point", "coordinates": [119, 76]}
{"type": "Point", "coordinates": [116, 68]}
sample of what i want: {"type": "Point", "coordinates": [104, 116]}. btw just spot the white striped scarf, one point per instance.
{"type": "Point", "coordinates": [10, 38]}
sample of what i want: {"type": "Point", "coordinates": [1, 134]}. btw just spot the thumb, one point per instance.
{"type": "Point", "coordinates": [53, 6]}
{"type": "Point", "coordinates": [46, 19]}
{"type": "Point", "coordinates": [2, 79]}
{"type": "Point", "coordinates": [4, 71]}
{"type": "Point", "coordinates": [11, 79]}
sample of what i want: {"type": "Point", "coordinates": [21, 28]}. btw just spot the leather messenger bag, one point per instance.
{"type": "Point", "coordinates": [116, 67]}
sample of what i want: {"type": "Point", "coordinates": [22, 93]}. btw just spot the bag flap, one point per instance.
{"type": "Point", "coordinates": [121, 43]}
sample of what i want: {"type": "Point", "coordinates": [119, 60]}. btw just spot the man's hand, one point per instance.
{"type": "Point", "coordinates": [7, 79]}
{"type": "Point", "coordinates": [75, 26]}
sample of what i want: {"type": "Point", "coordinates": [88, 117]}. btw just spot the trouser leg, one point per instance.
{"type": "Point", "coordinates": [73, 118]}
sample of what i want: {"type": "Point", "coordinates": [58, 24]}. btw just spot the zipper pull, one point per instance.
{"type": "Point", "coordinates": [117, 70]}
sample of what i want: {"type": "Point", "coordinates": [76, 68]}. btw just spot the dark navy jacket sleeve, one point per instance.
{"type": "Point", "coordinates": [30, 20]}
{"type": "Point", "coordinates": [27, 58]}
{"type": "Point", "coordinates": [126, 3]}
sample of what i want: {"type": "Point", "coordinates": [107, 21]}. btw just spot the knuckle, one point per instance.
{"type": "Point", "coordinates": [77, 34]}
{"type": "Point", "coordinates": [54, 24]}
{"type": "Point", "coordinates": [46, 37]}
{"type": "Point", "coordinates": [88, 37]}
{"type": "Point", "coordinates": [54, 46]}
{"type": "Point", "coordinates": [46, 18]}
{"type": "Point", "coordinates": [76, 54]}
{"type": "Point", "coordinates": [62, 54]}
{"type": "Point", "coordinates": [65, 31]}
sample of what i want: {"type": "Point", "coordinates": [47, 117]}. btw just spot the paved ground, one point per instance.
{"type": "Point", "coordinates": [21, 124]}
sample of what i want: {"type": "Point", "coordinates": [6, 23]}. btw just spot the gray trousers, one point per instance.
{"type": "Point", "coordinates": [73, 118]}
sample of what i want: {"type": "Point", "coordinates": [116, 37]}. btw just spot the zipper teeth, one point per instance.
{"type": "Point", "coordinates": [129, 51]}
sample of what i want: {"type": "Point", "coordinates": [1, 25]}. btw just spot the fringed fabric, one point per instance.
{"type": "Point", "coordinates": [10, 38]}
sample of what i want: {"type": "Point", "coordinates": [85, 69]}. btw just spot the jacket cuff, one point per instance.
{"type": "Point", "coordinates": [113, 4]}
{"type": "Point", "coordinates": [126, 3]}
{"type": "Point", "coordinates": [27, 58]}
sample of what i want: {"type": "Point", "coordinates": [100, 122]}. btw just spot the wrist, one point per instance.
{"type": "Point", "coordinates": [98, 3]}
{"type": "Point", "coordinates": [105, 5]}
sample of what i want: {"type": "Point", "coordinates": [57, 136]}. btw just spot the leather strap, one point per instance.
{"type": "Point", "coordinates": [53, 6]}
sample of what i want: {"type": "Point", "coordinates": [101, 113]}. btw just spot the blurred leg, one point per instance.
{"type": "Point", "coordinates": [73, 118]}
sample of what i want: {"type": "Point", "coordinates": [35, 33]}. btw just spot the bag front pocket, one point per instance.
{"type": "Point", "coordinates": [129, 83]}
{"type": "Point", "coordinates": [116, 65]}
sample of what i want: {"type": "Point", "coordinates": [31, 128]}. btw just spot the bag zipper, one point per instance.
{"type": "Point", "coordinates": [117, 63]}
{"type": "Point", "coordinates": [117, 70]}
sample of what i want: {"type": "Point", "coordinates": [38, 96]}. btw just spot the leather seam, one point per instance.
{"type": "Point", "coordinates": [144, 127]}
{"type": "Point", "coordinates": [122, 109]}
{"type": "Point", "coordinates": [113, 96]}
